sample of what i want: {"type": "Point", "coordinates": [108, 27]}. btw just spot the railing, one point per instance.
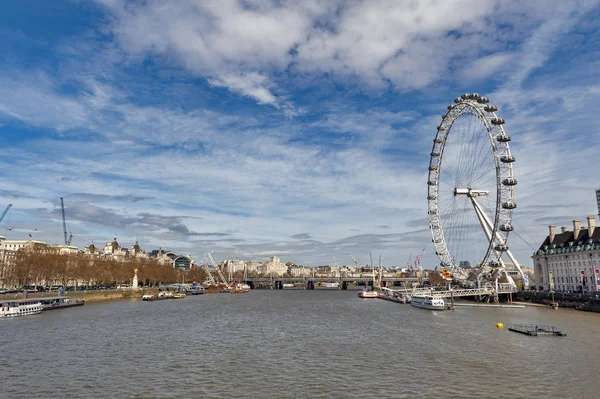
{"type": "Point", "coordinates": [488, 290]}
{"type": "Point", "coordinates": [326, 279]}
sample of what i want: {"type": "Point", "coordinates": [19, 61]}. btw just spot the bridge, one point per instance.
{"type": "Point", "coordinates": [309, 282]}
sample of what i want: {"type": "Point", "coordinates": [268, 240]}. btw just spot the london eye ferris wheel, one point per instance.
{"type": "Point", "coordinates": [471, 187]}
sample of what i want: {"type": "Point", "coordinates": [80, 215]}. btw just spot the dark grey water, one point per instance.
{"type": "Point", "coordinates": [294, 344]}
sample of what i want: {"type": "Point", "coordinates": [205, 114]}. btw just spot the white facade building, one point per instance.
{"type": "Point", "coordinates": [274, 267]}
{"type": "Point", "coordinates": [568, 261]}
{"type": "Point", "coordinates": [234, 266]}
{"type": "Point", "coordinates": [301, 271]}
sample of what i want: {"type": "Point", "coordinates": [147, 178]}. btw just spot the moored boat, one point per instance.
{"type": "Point", "coordinates": [331, 284]}
{"type": "Point", "coordinates": [179, 295]}
{"type": "Point", "coordinates": [165, 295]}
{"type": "Point", "coordinates": [368, 294]}
{"type": "Point", "coordinates": [20, 307]}
{"type": "Point", "coordinates": [60, 302]}
{"type": "Point", "coordinates": [428, 302]}
{"type": "Point", "coordinates": [195, 290]}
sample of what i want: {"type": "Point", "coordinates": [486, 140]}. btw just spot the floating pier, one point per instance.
{"type": "Point", "coordinates": [537, 330]}
{"type": "Point", "coordinates": [490, 305]}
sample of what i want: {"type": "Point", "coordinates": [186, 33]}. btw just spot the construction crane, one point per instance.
{"type": "Point", "coordinates": [418, 259]}
{"type": "Point", "coordinates": [208, 256]}
{"type": "Point", "coordinates": [219, 272]}
{"type": "Point", "coordinates": [409, 266]}
{"type": "Point", "coordinates": [5, 212]}
{"type": "Point", "coordinates": [64, 220]}
{"type": "Point", "coordinates": [211, 279]}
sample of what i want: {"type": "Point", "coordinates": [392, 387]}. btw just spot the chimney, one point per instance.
{"type": "Point", "coordinates": [563, 229]}
{"type": "Point", "coordinates": [552, 232]}
{"type": "Point", "coordinates": [591, 225]}
{"type": "Point", "coordinates": [576, 229]}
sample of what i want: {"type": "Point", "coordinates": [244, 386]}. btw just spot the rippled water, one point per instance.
{"type": "Point", "coordinates": [294, 344]}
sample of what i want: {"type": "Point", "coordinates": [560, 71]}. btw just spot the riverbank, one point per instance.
{"type": "Point", "coordinates": [88, 296]}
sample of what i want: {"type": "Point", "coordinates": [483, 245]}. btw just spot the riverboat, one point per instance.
{"type": "Point", "coordinates": [287, 286]}
{"type": "Point", "coordinates": [368, 294]}
{"type": "Point", "coordinates": [179, 295]}
{"type": "Point", "coordinates": [148, 297]}
{"type": "Point", "coordinates": [60, 302]}
{"type": "Point", "coordinates": [428, 302]}
{"type": "Point", "coordinates": [20, 307]}
{"type": "Point", "coordinates": [195, 290]}
{"type": "Point", "coordinates": [334, 284]}
{"type": "Point", "coordinates": [165, 295]}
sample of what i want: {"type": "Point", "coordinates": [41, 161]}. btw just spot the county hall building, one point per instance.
{"type": "Point", "coordinates": [569, 261]}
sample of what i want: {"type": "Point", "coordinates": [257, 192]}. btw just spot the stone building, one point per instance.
{"type": "Point", "coordinates": [568, 261]}
{"type": "Point", "coordinates": [10, 248]}
{"type": "Point", "coordinates": [274, 267]}
{"type": "Point", "coordinates": [301, 271]}
{"type": "Point", "coordinates": [234, 266]}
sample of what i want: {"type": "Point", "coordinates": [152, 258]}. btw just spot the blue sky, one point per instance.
{"type": "Point", "coordinates": [300, 129]}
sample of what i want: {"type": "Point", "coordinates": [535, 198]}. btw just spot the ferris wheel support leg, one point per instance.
{"type": "Point", "coordinates": [480, 215]}
{"type": "Point", "coordinates": [486, 225]}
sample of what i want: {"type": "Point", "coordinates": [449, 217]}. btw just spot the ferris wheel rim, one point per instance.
{"type": "Point", "coordinates": [504, 178]}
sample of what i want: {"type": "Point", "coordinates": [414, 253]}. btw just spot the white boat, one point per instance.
{"type": "Point", "coordinates": [332, 284]}
{"type": "Point", "coordinates": [20, 307]}
{"type": "Point", "coordinates": [165, 295]}
{"type": "Point", "coordinates": [428, 302]}
{"type": "Point", "coordinates": [288, 285]}
{"type": "Point", "coordinates": [242, 286]}
{"type": "Point", "coordinates": [195, 290]}
{"type": "Point", "coordinates": [368, 294]}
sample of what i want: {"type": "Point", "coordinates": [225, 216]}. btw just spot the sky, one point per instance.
{"type": "Point", "coordinates": [298, 129]}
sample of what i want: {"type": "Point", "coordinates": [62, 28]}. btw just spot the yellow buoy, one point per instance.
{"type": "Point", "coordinates": [500, 325]}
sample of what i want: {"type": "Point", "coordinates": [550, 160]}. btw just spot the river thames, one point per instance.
{"type": "Point", "coordinates": [295, 344]}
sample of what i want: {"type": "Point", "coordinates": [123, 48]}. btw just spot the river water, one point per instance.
{"type": "Point", "coordinates": [295, 344]}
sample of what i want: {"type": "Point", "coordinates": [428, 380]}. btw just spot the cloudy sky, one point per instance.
{"type": "Point", "coordinates": [300, 129]}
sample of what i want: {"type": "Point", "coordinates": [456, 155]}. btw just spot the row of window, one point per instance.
{"type": "Point", "coordinates": [571, 279]}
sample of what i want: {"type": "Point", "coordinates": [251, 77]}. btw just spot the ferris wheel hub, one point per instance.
{"type": "Point", "coordinates": [471, 193]}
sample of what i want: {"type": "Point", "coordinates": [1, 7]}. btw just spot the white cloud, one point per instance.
{"type": "Point", "coordinates": [246, 46]}
{"type": "Point", "coordinates": [237, 175]}
{"type": "Point", "coordinates": [486, 66]}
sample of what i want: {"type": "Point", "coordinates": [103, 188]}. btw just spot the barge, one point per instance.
{"type": "Point", "coordinates": [536, 330]}
{"type": "Point", "coordinates": [60, 302]}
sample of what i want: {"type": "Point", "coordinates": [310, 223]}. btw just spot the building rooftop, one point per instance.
{"type": "Point", "coordinates": [564, 242]}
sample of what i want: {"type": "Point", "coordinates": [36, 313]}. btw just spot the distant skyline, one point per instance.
{"type": "Point", "coordinates": [297, 129]}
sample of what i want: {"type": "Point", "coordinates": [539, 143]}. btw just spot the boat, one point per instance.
{"type": "Point", "coordinates": [179, 295]}
{"type": "Point", "coordinates": [332, 284]}
{"type": "Point", "coordinates": [287, 285]}
{"type": "Point", "coordinates": [428, 302]}
{"type": "Point", "coordinates": [195, 290]}
{"type": "Point", "coordinates": [148, 297]}
{"type": "Point", "coordinates": [368, 294]}
{"type": "Point", "coordinates": [60, 302]}
{"type": "Point", "coordinates": [165, 295]}
{"type": "Point", "coordinates": [20, 307]}
{"type": "Point", "coordinates": [239, 288]}
{"type": "Point", "coordinates": [242, 286]}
